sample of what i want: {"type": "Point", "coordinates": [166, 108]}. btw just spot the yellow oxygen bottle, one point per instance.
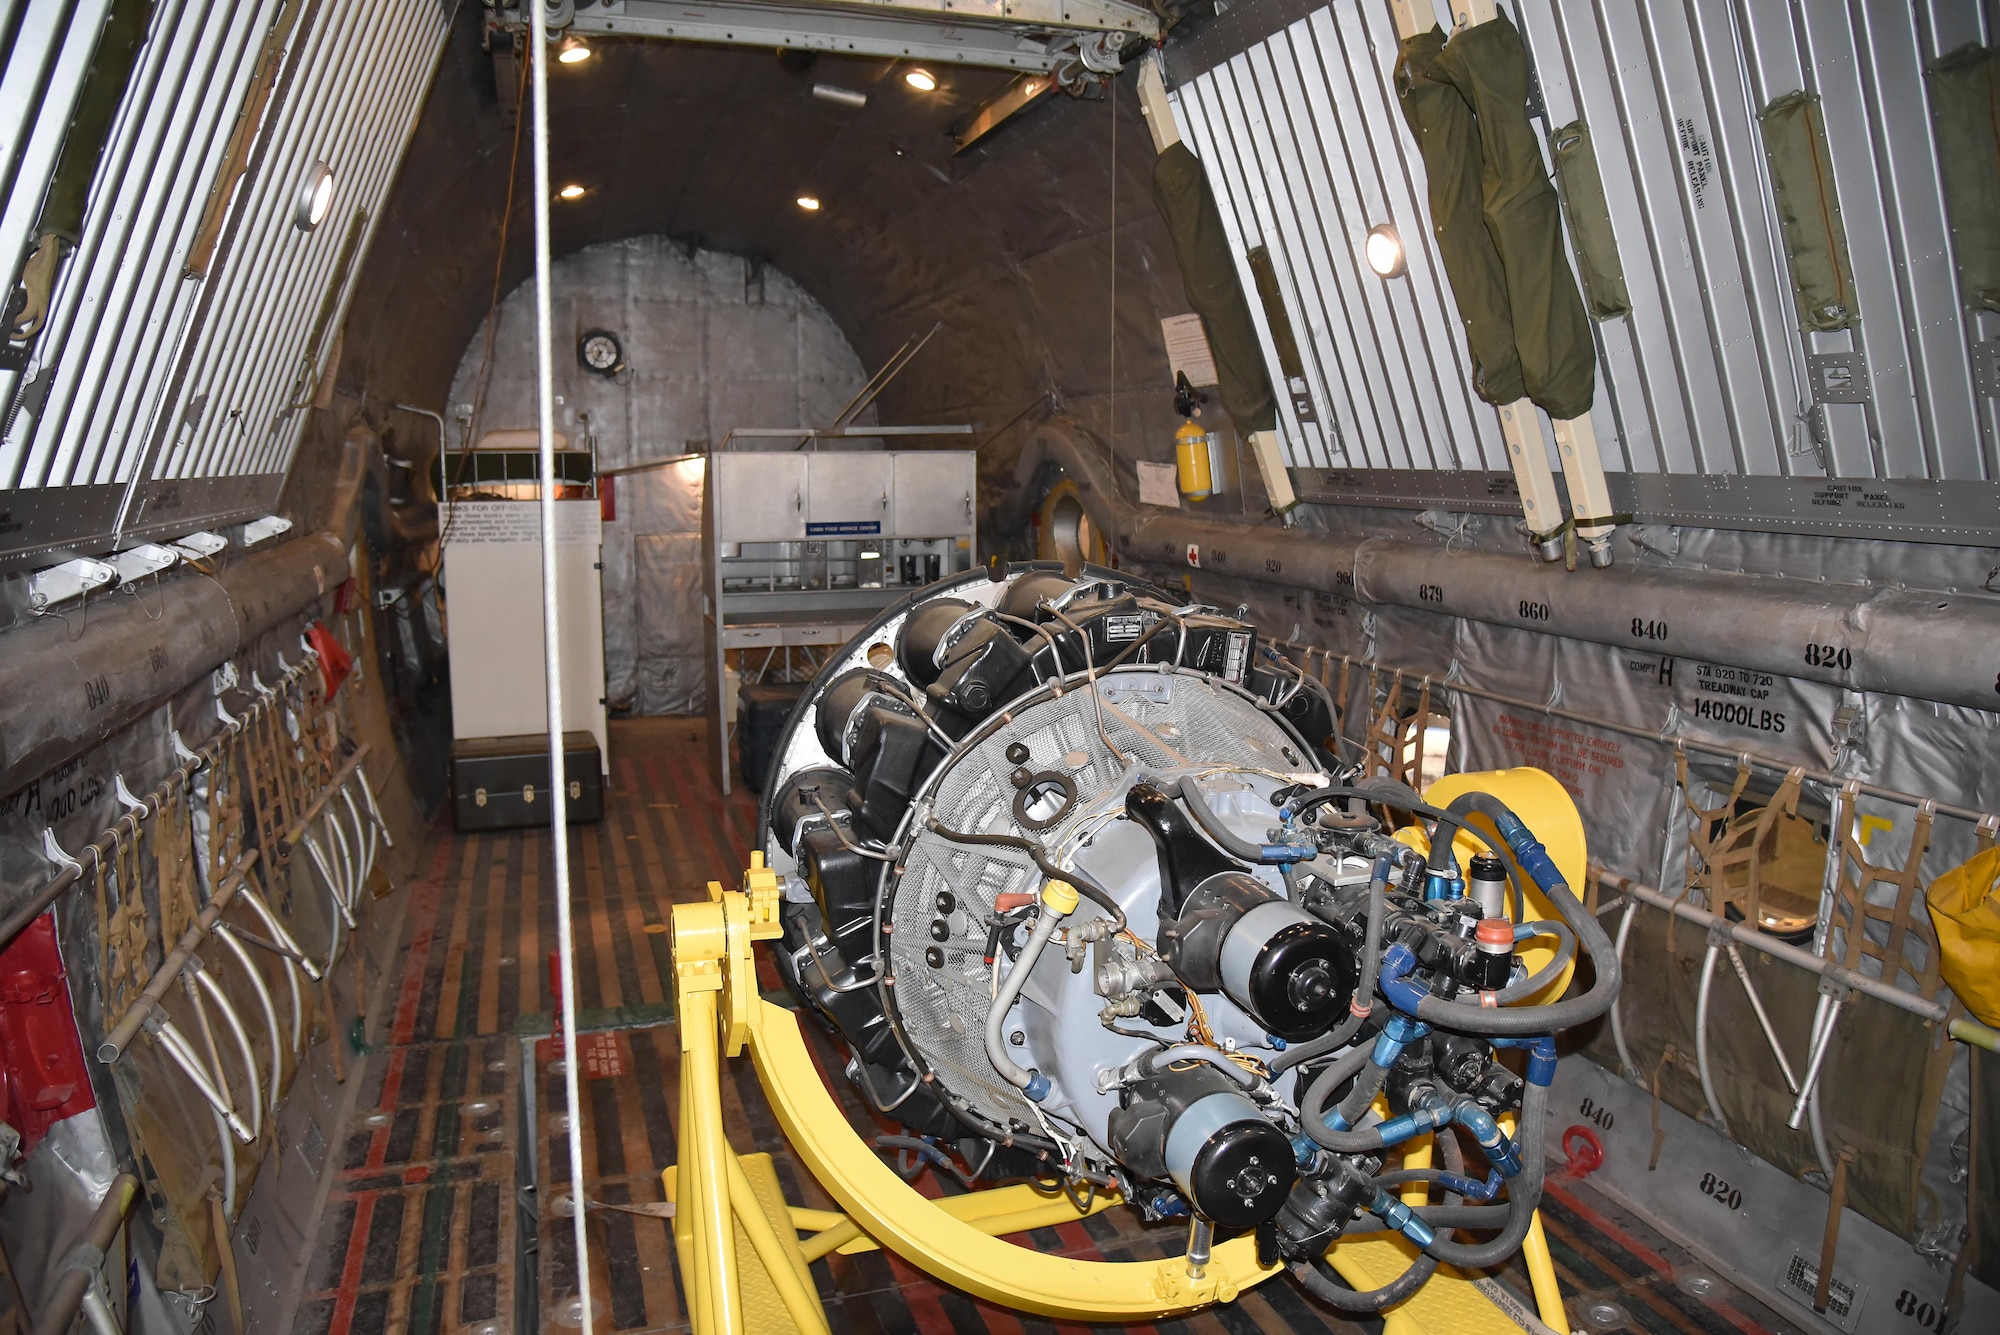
{"type": "Point", "coordinates": [1191, 461]}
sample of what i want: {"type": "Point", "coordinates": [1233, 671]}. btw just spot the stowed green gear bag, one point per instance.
{"type": "Point", "coordinates": [1209, 274]}
{"type": "Point", "coordinates": [1809, 213]}
{"type": "Point", "coordinates": [1965, 103]}
{"type": "Point", "coordinates": [1488, 66]}
{"type": "Point", "coordinates": [1448, 139]}
{"type": "Point", "coordinates": [1589, 221]}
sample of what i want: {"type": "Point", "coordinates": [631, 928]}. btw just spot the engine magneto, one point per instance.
{"type": "Point", "coordinates": [1196, 1128]}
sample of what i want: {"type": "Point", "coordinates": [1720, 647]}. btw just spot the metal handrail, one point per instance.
{"type": "Point", "coordinates": [1661, 736]}
{"type": "Point", "coordinates": [78, 1277]}
{"type": "Point", "coordinates": [128, 1026]}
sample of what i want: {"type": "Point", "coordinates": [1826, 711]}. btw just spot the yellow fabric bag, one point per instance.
{"type": "Point", "coordinates": [1965, 909]}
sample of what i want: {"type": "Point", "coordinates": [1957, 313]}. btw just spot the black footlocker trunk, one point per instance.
{"type": "Point", "coordinates": [762, 711]}
{"type": "Point", "coordinates": [502, 783]}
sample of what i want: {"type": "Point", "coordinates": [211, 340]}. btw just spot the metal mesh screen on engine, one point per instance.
{"type": "Point", "coordinates": [1157, 720]}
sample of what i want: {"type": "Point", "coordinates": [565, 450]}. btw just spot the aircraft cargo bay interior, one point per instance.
{"type": "Point", "coordinates": [1196, 666]}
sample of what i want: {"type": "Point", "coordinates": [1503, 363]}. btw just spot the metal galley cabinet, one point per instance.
{"type": "Point", "coordinates": [804, 549]}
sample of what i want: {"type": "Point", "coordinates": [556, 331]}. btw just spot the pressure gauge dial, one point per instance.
{"type": "Point", "coordinates": [599, 351]}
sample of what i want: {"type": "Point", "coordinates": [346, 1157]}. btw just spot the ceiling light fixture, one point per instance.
{"type": "Point", "coordinates": [571, 192]}
{"type": "Point", "coordinates": [809, 203]}
{"type": "Point", "coordinates": [315, 197]}
{"type": "Point", "coordinates": [922, 80]}
{"type": "Point", "coordinates": [1384, 249]}
{"type": "Point", "coordinates": [573, 51]}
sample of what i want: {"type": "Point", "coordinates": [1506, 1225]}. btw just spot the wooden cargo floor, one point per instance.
{"type": "Point", "coordinates": [440, 1185]}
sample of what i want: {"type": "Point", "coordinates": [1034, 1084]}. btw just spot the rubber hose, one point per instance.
{"type": "Point", "coordinates": [1368, 1140]}
{"type": "Point", "coordinates": [1366, 1086]}
{"type": "Point", "coordinates": [1476, 1218]}
{"type": "Point", "coordinates": [1088, 888]}
{"type": "Point", "coordinates": [1515, 894]}
{"type": "Point", "coordinates": [1389, 792]}
{"type": "Point", "coordinates": [1338, 1296]}
{"type": "Point", "coordinates": [1364, 991]}
{"type": "Point", "coordinates": [1524, 1193]}
{"type": "Point", "coordinates": [1201, 1052]}
{"type": "Point", "coordinates": [1312, 1114]}
{"type": "Point", "coordinates": [1371, 943]}
{"type": "Point", "coordinates": [1327, 1287]}
{"type": "Point", "coordinates": [1298, 1054]}
{"type": "Point", "coordinates": [1231, 843]}
{"type": "Point", "coordinates": [1399, 1177]}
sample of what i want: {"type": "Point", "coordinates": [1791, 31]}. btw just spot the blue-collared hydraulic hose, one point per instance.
{"type": "Point", "coordinates": [1524, 1193]}
{"type": "Point", "coordinates": [1522, 1021]}
{"type": "Point", "coordinates": [1493, 1142]}
{"type": "Point", "coordinates": [1470, 1188]}
{"type": "Point", "coordinates": [1399, 1033]}
{"type": "Point", "coordinates": [1524, 1190]}
{"type": "Point", "coordinates": [1541, 1056]}
{"type": "Point", "coordinates": [1270, 855]}
{"type": "Point", "coordinates": [1319, 1278]}
{"type": "Point", "coordinates": [1501, 1151]}
{"type": "Point", "coordinates": [1402, 1218]}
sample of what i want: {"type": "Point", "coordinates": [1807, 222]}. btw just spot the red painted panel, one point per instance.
{"type": "Point", "coordinates": [43, 1078]}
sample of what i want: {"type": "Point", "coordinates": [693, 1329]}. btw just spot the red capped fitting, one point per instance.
{"type": "Point", "coordinates": [1495, 936]}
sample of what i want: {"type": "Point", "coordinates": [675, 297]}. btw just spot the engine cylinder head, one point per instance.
{"type": "Point", "coordinates": [800, 801]}
{"type": "Point", "coordinates": [834, 722]}
{"type": "Point", "coordinates": [923, 629]}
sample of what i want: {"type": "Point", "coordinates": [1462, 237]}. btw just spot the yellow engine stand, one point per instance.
{"type": "Point", "coordinates": [745, 1268]}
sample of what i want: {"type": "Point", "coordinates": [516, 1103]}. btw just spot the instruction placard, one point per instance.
{"type": "Point", "coordinates": [1188, 350]}
{"type": "Point", "coordinates": [1158, 485]}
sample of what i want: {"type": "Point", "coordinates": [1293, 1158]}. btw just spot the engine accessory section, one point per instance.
{"type": "Point", "coordinates": [1079, 878]}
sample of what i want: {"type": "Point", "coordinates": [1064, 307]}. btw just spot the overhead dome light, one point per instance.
{"type": "Point", "coordinates": [810, 203]}
{"type": "Point", "coordinates": [1385, 251]}
{"type": "Point", "coordinates": [922, 80]}
{"type": "Point", "coordinates": [571, 192]}
{"type": "Point", "coordinates": [315, 197]}
{"type": "Point", "coordinates": [573, 51]}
